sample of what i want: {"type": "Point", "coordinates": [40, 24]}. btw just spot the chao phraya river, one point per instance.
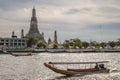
{"type": "Point", "coordinates": [32, 68]}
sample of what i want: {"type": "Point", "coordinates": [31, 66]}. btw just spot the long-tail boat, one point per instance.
{"type": "Point", "coordinates": [21, 54]}
{"type": "Point", "coordinates": [97, 68]}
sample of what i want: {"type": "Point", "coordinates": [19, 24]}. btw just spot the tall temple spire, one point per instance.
{"type": "Point", "coordinates": [33, 31]}
{"type": "Point", "coordinates": [49, 41]}
{"type": "Point", "coordinates": [22, 33]}
{"type": "Point", "coordinates": [33, 12]}
{"type": "Point", "coordinates": [55, 37]}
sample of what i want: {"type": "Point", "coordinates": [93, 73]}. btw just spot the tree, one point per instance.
{"type": "Point", "coordinates": [97, 46]}
{"type": "Point", "coordinates": [32, 41]}
{"type": "Point", "coordinates": [41, 45]}
{"type": "Point", "coordinates": [85, 44]}
{"type": "Point", "coordinates": [112, 43]}
{"type": "Point", "coordinates": [103, 44]}
{"type": "Point", "coordinates": [118, 42]}
{"type": "Point", "coordinates": [71, 43]}
{"type": "Point", "coordinates": [77, 43]}
{"type": "Point", "coordinates": [66, 45]}
{"type": "Point", "coordinates": [55, 46]}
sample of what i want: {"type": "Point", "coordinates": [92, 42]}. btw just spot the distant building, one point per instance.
{"type": "Point", "coordinates": [49, 41]}
{"type": "Point", "coordinates": [71, 40]}
{"type": "Point", "coordinates": [33, 31]}
{"type": "Point", "coordinates": [14, 42]}
{"type": "Point", "coordinates": [22, 33]}
{"type": "Point", "coordinates": [54, 42]}
{"type": "Point", "coordinates": [13, 35]}
{"type": "Point", "coordinates": [55, 37]}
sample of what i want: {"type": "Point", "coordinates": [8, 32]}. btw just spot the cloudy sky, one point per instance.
{"type": "Point", "coordinates": [97, 20]}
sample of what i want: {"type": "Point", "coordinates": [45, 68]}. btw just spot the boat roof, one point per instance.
{"type": "Point", "coordinates": [97, 62]}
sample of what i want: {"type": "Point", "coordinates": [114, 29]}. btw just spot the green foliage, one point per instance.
{"type": "Point", "coordinates": [92, 43]}
{"type": "Point", "coordinates": [85, 44]}
{"type": "Point", "coordinates": [41, 45]}
{"type": "Point", "coordinates": [118, 42]}
{"type": "Point", "coordinates": [66, 45]}
{"type": "Point", "coordinates": [77, 43]}
{"type": "Point", "coordinates": [103, 44]}
{"type": "Point", "coordinates": [71, 44]}
{"type": "Point", "coordinates": [32, 41]}
{"type": "Point", "coordinates": [55, 46]}
{"type": "Point", "coordinates": [112, 43]}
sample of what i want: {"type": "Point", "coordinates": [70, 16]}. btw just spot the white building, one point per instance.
{"type": "Point", "coordinates": [14, 42]}
{"type": "Point", "coordinates": [11, 43]}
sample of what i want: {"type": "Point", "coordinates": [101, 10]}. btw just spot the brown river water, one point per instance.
{"type": "Point", "coordinates": [32, 68]}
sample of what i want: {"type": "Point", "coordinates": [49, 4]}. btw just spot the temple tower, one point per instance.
{"type": "Point", "coordinates": [13, 35]}
{"type": "Point", "coordinates": [49, 41]}
{"type": "Point", "coordinates": [33, 31]}
{"type": "Point", "coordinates": [55, 37]}
{"type": "Point", "coordinates": [22, 33]}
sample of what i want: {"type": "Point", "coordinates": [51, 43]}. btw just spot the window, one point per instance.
{"type": "Point", "coordinates": [7, 40]}
{"type": "Point", "coordinates": [15, 40]}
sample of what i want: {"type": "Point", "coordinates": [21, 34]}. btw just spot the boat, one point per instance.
{"type": "Point", "coordinates": [21, 54]}
{"type": "Point", "coordinates": [98, 68]}
{"type": "Point", "coordinates": [38, 50]}
{"type": "Point", "coordinates": [3, 49]}
{"type": "Point", "coordinates": [4, 52]}
{"type": "Point", "coordinates": [56, 50]}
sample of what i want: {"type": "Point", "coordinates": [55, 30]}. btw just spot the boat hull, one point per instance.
{"type": "Point", "coordinates": [21, 54]}
{"type": "Point", "coordinates": [73, 72]}
{"type": "Point", "coordinates": [64, 72]}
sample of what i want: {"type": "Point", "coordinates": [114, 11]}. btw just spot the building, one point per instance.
{"type": "Point", "coordinates": [14, 42]}
{"type": "Point", "coordinates": [22, 33]}
{"type": "Point", "coordinates": [55, 37]}
{"type": "Point", "coordinates": [33, 31]}
{"type": "Point", "coordinates": [71, 40]}
{"type": "Point", "coordinates": [54, 42]}
{"type": "Point", "coordinates": [49, 41]}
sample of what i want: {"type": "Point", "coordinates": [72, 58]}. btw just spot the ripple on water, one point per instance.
{"type": "Point", "coordinates": [32, 68]}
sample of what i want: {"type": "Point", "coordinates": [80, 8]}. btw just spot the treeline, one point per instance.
{"type": "Point", "coordinates": [74, 44]}
{"type": "Point", "coordinates": [77, 43]}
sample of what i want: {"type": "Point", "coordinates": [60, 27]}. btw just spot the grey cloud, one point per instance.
{"type": "Point", "coordinates": [14, 20]}
{"type": "Point", "coordinates": [80, 10]}
{"type": "Point", "coordinates": [14, 4]}
{"type": "Point", "coordinates": [73, 11]}
{"type": "Point", "coordinates": [110, 10]}
{"type": "Point", "coordinates": [67, 8]}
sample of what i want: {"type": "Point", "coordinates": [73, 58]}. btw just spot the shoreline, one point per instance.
{"type": "Point", "coordinates": [66, 51]}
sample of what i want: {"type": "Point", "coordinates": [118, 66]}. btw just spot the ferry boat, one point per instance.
{"type": "Point", "coordinates": [98, 68]}
{"type": "Point", "coordinates": [38, 50]}
{"type": "Point", "coordinates": [55, 50]}
{"type": "Point", "coordinates": [5, 52]}
{"type": "Point", "coordinates": [21, 54]}
{"type": "Point", "coordinates": [2, 51]}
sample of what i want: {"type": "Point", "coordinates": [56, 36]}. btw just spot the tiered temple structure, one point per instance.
{"type": "Point", "coordinates": [33, 31]}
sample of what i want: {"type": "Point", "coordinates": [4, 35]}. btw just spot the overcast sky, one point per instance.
{"type": "Point", "coordinates": [87, 20]}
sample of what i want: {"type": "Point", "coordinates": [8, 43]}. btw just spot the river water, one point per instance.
{"type": "Point", "coordinates": [32, 68]}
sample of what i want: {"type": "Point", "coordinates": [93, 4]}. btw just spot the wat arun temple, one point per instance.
{"type": "Point", "coordinates": [33, 31]}
{"type": "Point", "coordinates": [21, 43]}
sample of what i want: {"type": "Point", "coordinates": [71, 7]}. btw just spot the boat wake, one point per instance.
{"type": "Point", "coordinates": [114, 70]}
{"type": "Point", "coordinates": [67, 77]}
